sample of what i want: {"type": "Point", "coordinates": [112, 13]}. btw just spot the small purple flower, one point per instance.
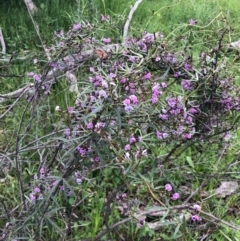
{"type": "Point", "coordinates": [104, 18]}
{"type": "Point", "coordinates": [124, 195]}
{"type": "Point", "coordinates": [168, 187]}
{"type": "Point", "coordinates": [192, 22]}
{"type": "Point", "coordinates": [37, 77]}
{"type": "Point", "coordinates": [102, 93]}
{"type": "Point", "coordinates": [126, 102]}
{"type": "Point", "coordinates": [106, 40]}
{"type": "Point", "coordinates": [128, 108]}
{"type": "Point", "coordinates": [132, 59]}
{"type": "Point", "coordinates": [132, 140]}
{"type": "Point", "coordinates": [147, 76]}
{"type": "Point", "coordinates": [112, 75]}
{"type": "Point", "coordinates": [188, 136]}
{"type": "Point", "coordinates": [187, 66]}
{"type": "Point", "coordinates": [132, 85]}
{"type": "Point", "coordinates": [176, 74]}
{"type": "Point", "coordinates": [192, 110]}
{"type": "Point", "coordinates": [154, 99]}
{"type": "Point", "coordinates": [187, 85]}
{"type": "Point", "coordinates": [82, 151]}
{"type": "Point", "coordinates": [67, 132]}
{"type": "Point", "coordinates": [171, 102]}
{"type": "Point", "coordinates": [32, 197]}
{"type": "Point", "coordinates": [161, 135]}
{"type": "Point", "coordinates": [141, 222]}
{"type": "Point", "coordinates": [196, 218]}
{"type": "Point", "coordinates": [156, 88]}
{"type": "Point", "coordinates": [70, 110]}
{"type": "Point", "coordinates": [175, 196]}
{"type": "Point", "coordinates": [163, 116]}
{"type": "Point", "coordinates": [79, 181]}
{"type": "Point", "coordinates": [127, 147]}
{"type": "Point", "coordinates": [123, 80]}
{"type": "Point", "coordinates": [134, 99]}
{"type": "Point", "coordinates": [77, 26]}
{"type": "Point", "coordinates": [36, 190]}
{"type": "Point", "coordinates": [90, 125]}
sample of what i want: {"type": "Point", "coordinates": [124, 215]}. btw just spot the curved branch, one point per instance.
{"type": "Point", "coordinates": [2, 42]}
{"type": "Point", "coordinates": [126, 26]}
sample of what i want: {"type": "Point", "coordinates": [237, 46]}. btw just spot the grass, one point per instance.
{"type": "Point", "coordinates": [195, 164]}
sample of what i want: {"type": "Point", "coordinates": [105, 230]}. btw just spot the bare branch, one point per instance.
{"type": "Point", "coordinates": [31, 6]}
{"type": "Point", "coordinates": [31, 11]}
{"type": "Point", "coordinates": [2, 42]}
{"type": "Point", "coordinates": [126, 26]}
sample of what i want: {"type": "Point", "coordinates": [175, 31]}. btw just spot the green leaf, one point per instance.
{"type": "Point", "coordinates": [190, 162]}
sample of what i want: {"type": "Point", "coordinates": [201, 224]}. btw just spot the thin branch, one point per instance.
{"type": "Point", "coordinates": [129, 19]}
{"type": "Point", "coordinates": [37, 31]}
{"type": "Point", "coordinates": [2, 42]}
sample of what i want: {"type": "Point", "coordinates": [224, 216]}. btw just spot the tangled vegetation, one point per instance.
{"type": "Point", "coordinates": [140, 145]}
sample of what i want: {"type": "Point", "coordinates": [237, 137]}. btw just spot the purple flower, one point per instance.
{"type": "Point", "coordinates": [126, 102]}
{"type": "Point", "coordinates": [132, 59]}
{"type": "Point", "coordinates": [123, 80]}
{"type": "Point", "coordinates": [104, 18]}
{"type": "Point", "coordinates": [163, 116]}
{"type": "Point", "coordinates": [132, 85]}
{"type": "Point", "coordinates": [196, 218]}
{"type": "Point", "coordinates": [154, 99]}
{"type": "Point", "coordinates": [175, 196]}
{"type": "Point", "coordinates": [176, 74]}
{"type": "Point", "coordinates": [187, 85]}
{"type": "Point", "coordinates": [37, 77]}
{"type": "Point", "coordinates": [32, 197]}
{"type": "Point", "coordinates": [102, 93]}
{"type": "Point", "coordinates": [171, 102]}
{"type": "Point", "coordinates": [67, 132]}
{"type": "Point", "coordinates": [192, 22]}
{"type": "Point", "coordinates": [134, 99]}
{"type": "Point", "coordinates": [90, 125]}
{"type": "Point", "coordinates": [161, 135]}
{"type": "Point", "coordinates": [192, 110]}
{"type": "Point", "coordinates": [79, 181]}
{"type": "Point", "coordinates": [70, 110]}
{"type": "Point", "coordinates": [141, 222]}
{"type": "Point", "coordinates": [188, 136]}
{"type": "Point", "coordinates": [106, 40]}
{"type": "Point", "coordinates": [128, 108]}
{"type": "Point", "coordinates": [124, 195]}
{"type": "Point", "coordinates": [156, 89]}
{"type": "Point", "coordinates": [147, 76]}
{"type": "Point", "coordinates": [127, 147]}
{"type": "Point", "coordinates": [132, 140]}
{"type": "Point", "coordinates": [168, 187]}
{"type": "Point", "coordinates": [187, 66]}
{"type": "Point", "coordinates": [81, 151]}
{"type": "Point", "coordinates": [77, 26]}
{"type": "Point", "coordinates": [112, 75]}
{"type": "Point", "coordinates": [36, 190]}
